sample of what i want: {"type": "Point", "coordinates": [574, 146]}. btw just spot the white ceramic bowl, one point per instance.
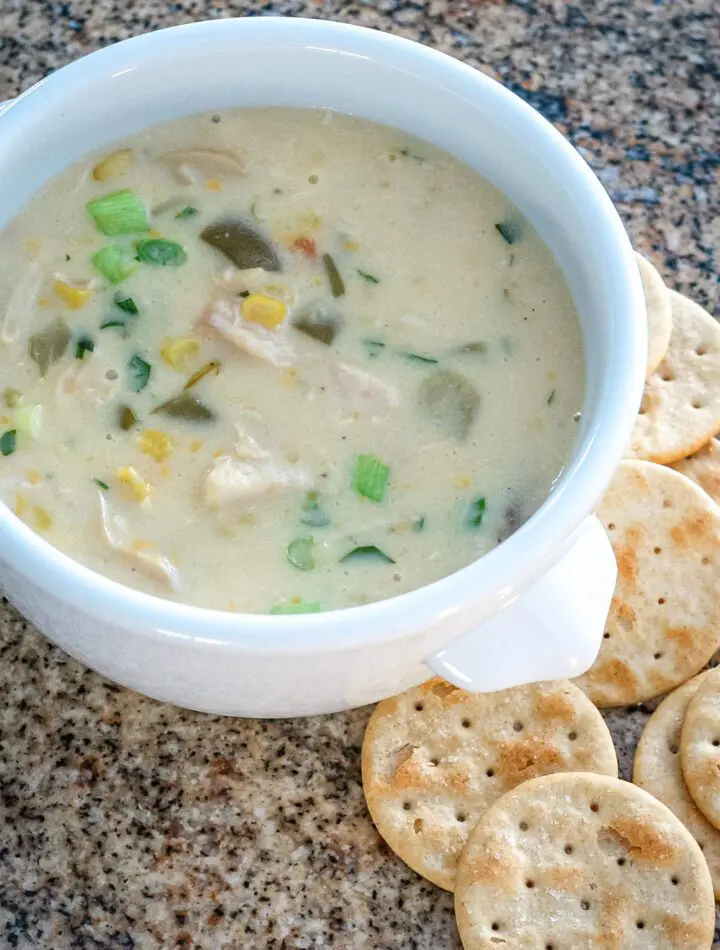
{"type": "Point", "coordinates": [534, 608]}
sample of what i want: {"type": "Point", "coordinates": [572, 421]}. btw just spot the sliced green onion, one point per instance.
{"type": "Point", "coordinates": [126, 418]}
{"type": "Point", "coordinates": [370, 477]}
{"type": "Point", "coordinates": [551, 398]}
{"type": "Point", "coordinates": [313, 514]}
{"type": "Point", "coordinates": [118, 323]}
{"type": "Point", "coordinates": [187, 212]}
{"type": "Point", "coordinates": [114, 263]}
{"type": "Point", "coordinates": [125, 303]}
{"type": "Point", "coordinates": [337, 285]}
{"type": "Point", "coordinates": [511, 231]}
{"type": "Point", "coordinates": [212, 367]}
{"type": "Point", "coordinates": [302, 607]}
{"type": "Point", "coordinates": [368, 277]}
{"type": "Point", "coordinates": [300, 554]}
{"type": "Point", "coordinates": [418, 524]}
{"type": "Point", "coordinates": [48, 346]}
{"type": "Point", "coordinates": [28, 419]}
{"type": "Point", "coordinates": [367, 552]}
{"type": "Point", "coordinates": [140, 371]}
{"type": "Point", "coordinates": [161, 253]}
{"type": "Point", "coordinates": [101, 484]}
{"type": "Point", "coordinates": [476, 512]}
{"type": "Point", "coordinates": [8, 442]}
{"type": "Point", "coordinates": [84, 345]}
{"type": "Point", "coordinates": [121, 212]}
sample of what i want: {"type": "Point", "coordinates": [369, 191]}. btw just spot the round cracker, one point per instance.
{"type": "Point", "coordinates": [704, 468]}
{"type": "Point", "coordinates": [680, 409]}
{"type": "Point", "coordinates": [664, 622]}
{"type": "Point", "coordinates": [436, 757]}
{"type": "Point", "coordinates": [700, 747]}
{"type": "Point", "coordinates": [657, 769]}
{"type": "Point", "coordinates": [657, 306]}
{"type": "Point", "coordinates": [582, 861]}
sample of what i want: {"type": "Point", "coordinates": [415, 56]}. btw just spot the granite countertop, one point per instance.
{"type": "Point", "coordinates": [128, 824]}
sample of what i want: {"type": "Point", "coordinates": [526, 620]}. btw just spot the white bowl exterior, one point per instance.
{"type": "Point", "coordinates": [276, 666]}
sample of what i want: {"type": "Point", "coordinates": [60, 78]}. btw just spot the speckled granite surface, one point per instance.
{"type": "Point", "coordinates": [127, 824]}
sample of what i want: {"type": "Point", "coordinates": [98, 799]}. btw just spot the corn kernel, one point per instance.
{"type": "Point", "coordinates": [213, 184]}
{"type": "Point", "coordinates": [154, 233]}
{"type": "Point", "coordinates": [43, 302]}
{"type": "Point", "coordinates": [41, 518]}
{"type": "Point", "coordinates": [351, 245]}
{"type": "Point", "coordinates": [20, 505]}
{"type": "Point", "coordinates": [116, 164]}
{"type": "Point", "coordinates": [179, 352]}
{"type": "Point", "coordinates": [134, 485]}
{"type": "Point", "coordinates": [34, 477]}
{"type": "Point", "coordinates": [463, 481]}
{"type": "Point", "coordinates": [73, 297]}
{"type": "Point", "coordinates": [196, 445]}
{"type": "Point", "coordinates": [156, 444]}
{"type": "Point", "coordinates": [270, 313]}
{"type": "Point", "coordinates": [289, 377]}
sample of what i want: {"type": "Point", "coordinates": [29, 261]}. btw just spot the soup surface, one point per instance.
{"type": "Point", "coordinates": [280, 361]}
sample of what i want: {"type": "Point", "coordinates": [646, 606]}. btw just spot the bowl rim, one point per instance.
{"type": "Point", "coordinates": [503, 573]}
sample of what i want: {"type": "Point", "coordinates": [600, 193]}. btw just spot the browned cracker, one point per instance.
{"type": "Point", "coordinates": [700, 747]}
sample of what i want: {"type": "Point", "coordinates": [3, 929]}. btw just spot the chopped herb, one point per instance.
{"type": "Point", "coordinates": [114, 263]}
{"type": "Point", "coordinates": [450, 401]}
{"type": "Point", "coordinates": [313, 514]}
{"type": "Point", "coordinates": [418, 524]}
{"type": "Point", "coordinates": [185, 407]}
{"type": "Point", "coordinates": [242, 244]}
{"type": "Point", "coordinates": [84, 345]}
{"type": "Point", "coordinates": [126, 418]}
{"type": "Point", "coordinates": [126, 304]}
{"type": "Point", "coordinates": [244, 293]}
{"type": "Point", "coordinates": [367, 552]}
{"type": "Point", "coordinates": [368, 277]}
{"type": "Point", "coordinates": [48, 346]}
{"type": "Point", "coordinates": [101, 484]}
{"type": "Point", "coordinates": [551, 398]}
{"type": "Point", "coordinates": [476, 512]}
{"type": "Point", "coordinates": [374, 347]}
{"type": "Point", "coordinates": [300, 554]}
{"type": "Point", "coordinates": [140, 371]}
{"type": "Point", "coordinates": [13, 398]}
{"type": "Point", "coordinates": [119, 323]}
{"type": "Point", "coordinates": [408, 154]}
{"type": "Point", "coordinates": [302, 607]}
{"type": "Point", "coordinates": [418, 358]}
{"type": "Point", "coordinates": [511, 231]}
{"type": "Point", "coordinates": [476, 346]}
{"type": "Point", "coordinates": [8, 442]}
{"type": "Point", "coordinates": [188, 212]}
{"type": "Point", "coordinates": [121, 212]}
{"type": "Point", "coordinates": [337, 285]}
{"type": "Point", "coordinates": [212, 367]}
{"type": "Point", "coordinates": [370, 477]}
{"type": "Point", "coordinates": [67, 257]}
{"type": "Point", "coordinates": [277, 191]}
{"type": "Point", "coordinates": [161, 253]}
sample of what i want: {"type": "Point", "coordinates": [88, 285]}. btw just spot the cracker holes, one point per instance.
{"type": "Point", "coordinates": [705, 560]}
{"type": "Point", "coordinates": [466, 724]}
{"type": "Point", "coordinates": [675, 880]}
{"type": "Point", "coordinates": [700, 350]}
{"type": "Point", "coordinates": [657, 550]}
{"type": "Point", "coordinates": [313, 179]}
{"type": "Point", "coordinates": [661, 601]}
{"type": "Point", "coordinates": [697, 404]}
{"type": "Point", "coordinates": [611, 526]}
{"type": "Point", "coordinates": [606, 635]}
{"type": "Point", "coordinates": [585, 905]}
{"type": "Point", "coordinates": [572, 736]}
{"type": "Point", "coordinates": [419, 707]}
{"type": "Point", "coordinates": [657, 656]}
{"type": "Point", "coordinates": [594, 807]}
{"type": "Point", "coordinates": [668, 376]}
{"type": "Point", "coordinates": [407, 806]}
{"type": "Point", "coordinates": [518, 726]}
{"type": "Point", "coordinates": [549, 946]}
{"type": "Point", "coordinates": [667, 503]}
{"type": "Point", "coordinates": [495, 926]}
{"type": "Point", "coordinates": [434, 762]}
{"type": "Point", "coordinates": [621, 862]}
{"type": "Point", "coordinates": [673, 748]}
{"type": "Point", "coordinates": [490, 773]}
{"type": "Point", "coordinates": [418, 826]}
{"type": "Point", "coordinates": [523, 826]}
{"type": "Point", "coordinates": [640, 924]}
{"type": "Point", "coordinates": [716, 742]}
{"type": "Point", "coordinates": [461, 817]}
{"type": "Point", "coordinates": [529, 884]}
{"type": "Point", "coordinates": [568, 849]}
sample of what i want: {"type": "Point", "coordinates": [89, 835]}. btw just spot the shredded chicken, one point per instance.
{"type": "Point", "coordinates": [243, 479]}
{"type": "Point", "coordinates": [88, 379]}
{"type": "Point", "coordinates": [225, 316]}
{"type": "Point", "coordinates": [22, 299]}
{"type": "Point", "coordinates": [156, 566]}
{"type": "Point", "coordinates": [362, 392]}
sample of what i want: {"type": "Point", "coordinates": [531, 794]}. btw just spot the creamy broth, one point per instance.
{"type": "Point", "coordinates": [386, 397]}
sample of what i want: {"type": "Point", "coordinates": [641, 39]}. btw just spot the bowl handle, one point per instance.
{"type": "Point", "coordinates": [551, 631]}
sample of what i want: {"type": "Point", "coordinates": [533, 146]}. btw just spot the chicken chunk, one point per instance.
{"type": "Point", "coordinates": [225, 316]}
{"type": "Point", "coordinates": [155, 566]}
{"type": "Point", "coordinates": [244, 481]}
{"type": "Point", "coordinates": [362, 392]}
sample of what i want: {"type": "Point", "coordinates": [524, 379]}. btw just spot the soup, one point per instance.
{"type": "Point", "coordinates": [280, 361]}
